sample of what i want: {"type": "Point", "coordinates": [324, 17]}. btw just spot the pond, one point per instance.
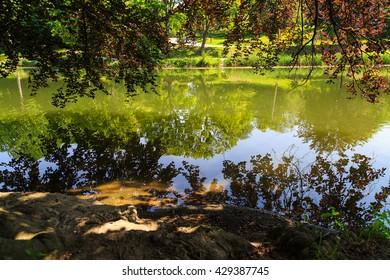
{"type": "Point", "coordinates": [209, 136]}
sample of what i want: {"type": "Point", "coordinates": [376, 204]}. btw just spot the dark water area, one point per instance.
{"type": "Point", "coordinates": [210, 136]}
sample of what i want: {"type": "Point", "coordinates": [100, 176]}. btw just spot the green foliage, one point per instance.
{"type": "Point", "coordinates": [190, 51]}
{"type": "Point", "coordinates": [175, 23]}
{"type": "Point", "coordinates": [202, 61]}
{"type": "Point", "coordinates": [34, 255]}
{"type": "Point", "coordinates": [386, 58]}
{"type": "Point", "coordinates": [251, 61]}
{"type": "Point", "coordinates": [380, 225]}
{"type": "Point", "coordinates": [333, 216]}
{"type": "Point", "coordinates": [285, 60]}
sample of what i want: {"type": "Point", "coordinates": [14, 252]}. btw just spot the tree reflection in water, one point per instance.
{"type": "Point", "coordinates": [311, 192]}
{"type": "Point", "coordinates": [102, 165]}
{"type": "Point", "coordinates": [112, 150]}
{"type": "Point", "coordinates": [94, 162]}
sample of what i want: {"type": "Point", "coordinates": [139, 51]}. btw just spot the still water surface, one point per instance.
{"type": "Point", "coordinates": [186, 144]}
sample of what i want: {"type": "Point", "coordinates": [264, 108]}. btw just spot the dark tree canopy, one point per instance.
{"type": "Point", "coordinates": [82, 41]}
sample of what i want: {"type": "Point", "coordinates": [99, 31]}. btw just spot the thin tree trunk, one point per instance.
{"type": "Point", "coordinates": [205, 34]}
{"type": "Point", "coordinates": [167, 31]}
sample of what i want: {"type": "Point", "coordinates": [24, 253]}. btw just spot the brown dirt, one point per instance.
{"type": "Point", "coordinates": [56, 226]}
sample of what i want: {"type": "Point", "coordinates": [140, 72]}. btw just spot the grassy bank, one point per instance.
{"type": "Point", "coordinates": [189, 57]}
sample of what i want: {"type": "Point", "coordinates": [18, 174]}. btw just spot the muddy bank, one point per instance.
{"type": "Point", "coordinates": [56, 226]}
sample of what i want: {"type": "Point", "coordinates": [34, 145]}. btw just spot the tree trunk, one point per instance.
{"type": "Point", "coordinates": [205, 34]}
{"type": "Point", "coordinates": [167, 31]}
